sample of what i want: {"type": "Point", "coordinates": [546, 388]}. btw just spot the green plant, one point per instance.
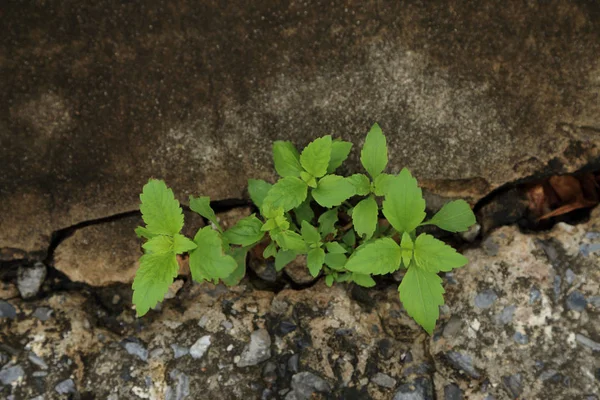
{"type": "Point", "coordinates": [308, 211]}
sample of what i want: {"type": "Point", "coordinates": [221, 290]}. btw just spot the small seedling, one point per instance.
{"type": "Point", "coordinates": [310, 211]}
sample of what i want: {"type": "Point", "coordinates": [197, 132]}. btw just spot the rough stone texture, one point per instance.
{"type": "Point", "coordinates": [30, 279]}
{"type": "Point", "coordinates": [100, 96]}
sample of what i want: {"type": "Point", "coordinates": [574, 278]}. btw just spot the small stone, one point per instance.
{"type": "Point", "coordinates": [37, 361]}
{"type": "Point", "coordinates": [587, 342]}
{"type": "Point", "coordinates": [304, 384]}
{"type": "Point", "coordinates": [11, 374]}
{"type": "Point", "coordinates": [7, 310]}
{"type": "Point", "coordinates": [270, 372]}
{"type": "Point", "coordinates": [30, 279]}
{"type": "Point", "coordinates": [293, 363]}
{"type": "Point", "coordinates": [43, 313]}
{"type": "Point", "coordinates": [203, 321]}
{"type": "Point", "coordinates": [594, 301]}
{"type": "Point", "coordinates": [420, 389]}
{"type": "Point", "coordinates": [549, 374]}
{"type": "Point", "coordinates": [298, 272]}
{"type": "Point", "coordinates": [39, 374]}
{"type": "Point", "coordinates": [463, 362]}
{"type": "Point", "coordinates": [486, 299]}
{"type": "Point", "coordinates": [258, 350]}
{"type": "Point", "coordinates": [65, 387]}
{"type": "Point", "coordinates": [471, 234]}
{"type": "Point", "coordinates": [227, 325]}
{"type": "Point", "coordinates": [264, 269]}
{"type": "Point", "coordinates": [576, 301]}
{"type": "Point", "coordinates": [452, 327]}
{"type": "Point", "coordinates": [179, 351]}
{"type": "Point", "coordinates": [384, 380]}
{"type": "Point", "coordinates": [452, 392]}
{"type": "Point", "coordinates": [285, 327]}
{"type": "Point", "coordinates": [570, 276]}
{"type": "Point", "coordinates": [514, 384]}
{"type": "Point", "coordinates": [506, 316]}
{"type": "Point", "coordinates": [136, 349]}
{"type": "Point", "coordinates": [520, 338]}
{"type": "Point", "coordinates": [40, 397]}
{"type": "Point", "coordinates": [534, 295]}
{"type": "Point", "coordinates": [182, 386]}
{"type": "Point", "coordinates": [490, 247]}
{"type": "Point", "coordinates": [556, 287]}
{"type": "Point", "coordinates": [199, 348]}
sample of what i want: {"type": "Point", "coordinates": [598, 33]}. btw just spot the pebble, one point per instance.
{"type": "Point", "coordinates": [576, 301]}
{"type": "Point", "coordinates": [490, 247]}
{"type": "Point", "coordinates": [595, 301]}
{"type": "Point", "coordinates": [298, 272]}
{"type": "Point", "coordinates": [136, 349]}
{"type": "Point", "coordinates": [506, 316]}
{"type": "Point", "coordinates": [7, 310]}
{"type": "Point", "coordinates": [514, 384]}
{"type": "Point", "coordinates": [420, 389]}
{"type": "Point", "coordinates": [383, 380]}
{"type": "Point", "coordinates": [11, 374]}
{"type": "Point", "coordinates": [587, 342]}
{"type": "Point", "coordinates": [304, 384]}
{"type": "Point", "coordinates": [285, 327]}
{"type": "Point", "coordinates": [570, 276]}
{"type": "Point", "coordinates": [37, 360]}
{"type": "Point", "coordinates": [199, 348]}
{"type": "Point", "coordinates": [520, 338]}
{"type": "Point", "coordinates": [65, 387]}
{"type": "Point", "coordinates": [258, 350]}
{"type": "Point", "coordinates": [534, 295]}
{"type": "Point", "coordinates": [452, 327]}
{"type": "Point", "coordinates": [556, 287]}
{"type": "Point", "coordinates": [179, 351]}
{"type": "Point", "coordinates": [182, 386]}
{"type": "Point", "coordinates": [293, 363]}
{"type": "Point", "coordinates": [452, 392]}
{"type": "Point", "coordinates": [269, 373]}
{"type": "Point", "coordinates": [463, 362]}
{"type": "Point", "coordinates": [30, 279]}
{"type": "Point", "coordinates": [43, 313]}
{"type": "Point", "coordinates": [471, 234]}
{"type": "Point", "coordinates": [486, 299]}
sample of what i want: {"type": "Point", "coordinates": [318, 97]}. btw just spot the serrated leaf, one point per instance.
{"type": "Point", "coordinates": [349, 238]}
{"type": "Point", "coordinates": [327, 222]}
{"type": "Point", "coordinates": [246, 232]}
{"type": "Point", "coordinates": [404, 206]}
{"type": "Point", "coordinates": [270, 250]}
{"type": "Point", "coordinates": [283, 258]}
{"type": "Point", "coordinates": [239, 255]}
{"type": "Point", "coordinates": [374, 155]}
{"type": "Point", "coordinates": [159, 244]}
{"type": "Point", "coordinates": [335, 261]}
{"type": "Point", "coordinates": [182, 244]}
{"type": "Point", "coordinates": [335, 247]}
{"type": "Point", "coordinates": [381, 256]}
{"type": "Point", "coordinates": [361, 183]}
{"type": "Point", "coordinates": [258, 189]}
{"type": "Point", "coordinates": [343, 277]}
{"type": "Point", "coordinates": [329, 280]}
{"type": "Point", "coordinates": [201, 205]}
{"type": "Point", "coordinates": [160, 210]}
{"type": "Point", "coordinates": [434, 255]}
{"type": "Point", "coordinates": [455, 216]}
{"type": "Point", "coordinates": [339, 152]}
{"type": "Point", "coordinates": [286, 159]}
{"type": "Point", "coordinates": [287, 193]}
{"type": "Point", "coordinates": [333, 190]}
{"type": "Point", "coordinates": [407, 249]}
{"type": "Point", "coordinates": [207, 261]}
{"type": "Point", "coordinates": [142, 232]}
{"type": "Point", "coordinates": [314, 260]}
{"type": "Point", "coordinates": [310, 234]}
{"type": "Point", "coordinates": [421, 293]}
{"type": "Point", "coordinates": [315, 157]}
{"type": "Point", "coordinates": [289, 240]}
{"type": "Point", "coordinates": [152, 280]}
{"type": "Point", "coordinates": [363, 280]}
{"type": "Point", "coordinates": [383, 183]}
{"type": "Point", "coordinates": [304, 211]}
{"type": "Point", "coordinates": [364, 217]}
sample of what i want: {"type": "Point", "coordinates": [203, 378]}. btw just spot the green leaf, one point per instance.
{"type": "Point", "coordinates": [287, 193]}
{"type": "Point", "coordinates": [142, 232]}
{"type": "Point", "coordinates": [383, 183]}
{"type": "Point", "coordinates": [332, 190]}
{"type": "Point", "coordinates": [315, 157]}
{"type": "Point", "coordinates": [207, 261]}
{"type": "Point", "coordinates": [289, 240]}
{"type": "Point", "coordinates": [374, 155]}
{"type": "Point", "coordinates": [339, 152]}
{"type": "Point", "coordinates": [283, 258]}
{"type": "Point", "coordinates": [329, 280]}
{"type": "Point", "coordinates": [246, 232]}
{"type": "Point", "coordinates": [160, 210]}
{"type": "Point", "coordinates": [304, 211]}
{"type": "Point", "coordinates": [381, 256]}
{"type": "Point", "coordinates": [286, 159]}
{"type": "Point", "coordinates": [434, 255]}
{"type": "Point", "coordinates": [152, 280]}
{"type": "Point", "coordinates": [327, 222]}
{"type": "Point", "coordinates": [159, 244]}
{"type": "Point", "coordinates": [421, 293]}
{"type": "Point", "coordinates": [407, 249]}
{"type": "Point", "coordinates": [361, 183]}
{"type": "Point", "coordinates": [455, 216]}
{"type": "Point", "coordinates": [201, 205]}
{"type": "Point", "coordinates": [404, 206]}
{"type": "Point", "coordinates": [335, 261]}
{"type": "Point", "coordinates": [349, 238]}
{"type": "Point", "coordinates": [315, 260]}
{"type": "Point", "coordinates": [364, 217]}
{"type": "Point", "coordinates": [335, 247]}
{"type": "Point", "coordinates": [363, 280]}
{"type": "Point", "coordinates": [310, 234]}
{"type": "Point", "coordinates": [270, 250]}
{"type": "Point", "coordinates": [310, 180]}
{"type": "Point", "coordinates": [343, 277]}
{"type": "Point", "coordinates": [181, 244]}
{"type": "Point", "coordinates": [258, 190]}
{"type": "Point", "coordinates": [239, 255]}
